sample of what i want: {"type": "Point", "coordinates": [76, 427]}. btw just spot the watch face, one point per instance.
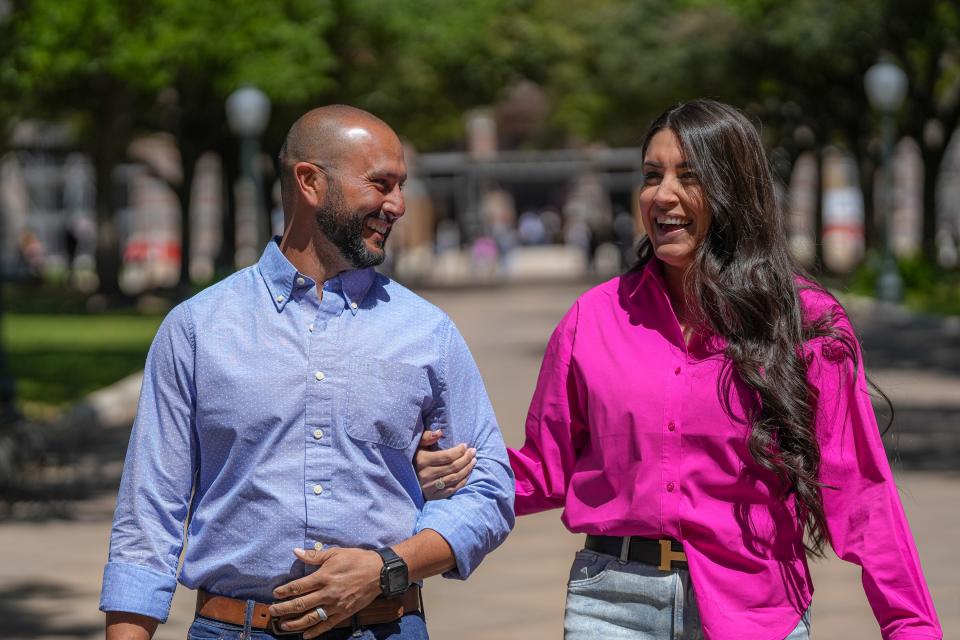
{"type": "Point", "coordinates": [396, 579]}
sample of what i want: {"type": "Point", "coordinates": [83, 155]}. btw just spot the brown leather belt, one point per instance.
{"type": "Point", "coordinates": [233, 611]}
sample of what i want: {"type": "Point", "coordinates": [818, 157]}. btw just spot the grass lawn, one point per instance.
{"type": "Point", "coordinates": [57, 359]}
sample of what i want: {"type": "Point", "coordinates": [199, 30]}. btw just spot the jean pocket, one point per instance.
{"type": "Point", "coordinates": [588, 567]}
{"type": "Point", "coordinates": [385, 401]}
{"type": "Point", "coordinates": [203, 629]}
{"type": "Point", "coordinates": [802, 631]}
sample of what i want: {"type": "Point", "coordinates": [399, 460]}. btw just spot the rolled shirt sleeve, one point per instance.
{"type": "Point", "coordinates": [555, 428]}
{"type": "Point", "coordinates": [478, 517]}
{"type": "Point", "coordinates": [154, 497]}
{"type": "Point", "coordinates": [865, 518]}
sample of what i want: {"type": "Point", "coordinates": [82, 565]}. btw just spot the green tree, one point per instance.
{"type": "Point", "coordinates": [924, 38]}
{"type": "Point", "coordinates": [116, 69]}
{"type": "Point", "coordinates": [607, 67]}
{"type": "Point", "coordinates": [806, 62]}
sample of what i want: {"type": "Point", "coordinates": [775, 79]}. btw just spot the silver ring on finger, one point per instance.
{"type": "Point", "coordinates": [439, 484]}
{"type": "Point", "coordinates": [322, 614]}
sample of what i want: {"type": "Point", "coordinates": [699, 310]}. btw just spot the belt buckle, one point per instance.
{"type": "Point", "coordinates": [277, 631]}
{"type": "Point", "coordinates": [668, 555]}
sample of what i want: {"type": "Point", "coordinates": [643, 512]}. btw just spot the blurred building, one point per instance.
{"type": "Point", "coordinates": [948, 202]}
{"type": "Point", "coordinates": [149, 214]}
{"type": "Point", "coordinates": [486, 212]}
{"type": "Point", "coordinates": [48, 198]}
{"type": "Point", "coordinates": [843, 231]}
{"type": "Point", "coordinates": [802, 209]}
{"type": "Point", "coordinates": [906, 223]}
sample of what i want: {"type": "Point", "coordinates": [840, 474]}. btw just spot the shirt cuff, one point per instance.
{"type": "Point", "coordinates": [134, 589]}
{"type": "Point", "coordinates": [451, 527]}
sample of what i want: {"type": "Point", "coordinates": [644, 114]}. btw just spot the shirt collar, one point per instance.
{"type": "Point", "coordinates": [648, 274]}
{"type": "Point", "coordinates": [281, 278]}
{"type": "Point", "coordinates": [651, 274]}
{"type": "Point", "coordinates": [356, 283]}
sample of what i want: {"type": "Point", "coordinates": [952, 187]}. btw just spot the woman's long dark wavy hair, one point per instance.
{"type": "Point", "coordinates": [743, 286]}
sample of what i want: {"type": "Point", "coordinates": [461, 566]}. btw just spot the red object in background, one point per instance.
{"type": "Point", "coordinates": [141, 250]}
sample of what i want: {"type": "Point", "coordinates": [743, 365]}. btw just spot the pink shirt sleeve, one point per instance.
{"type": "Point", "coordinates": [865, 518]}
{"type": "Point", "coordinates": [555, 428]}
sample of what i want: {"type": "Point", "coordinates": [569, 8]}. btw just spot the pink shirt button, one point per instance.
{"type": "Point", "coordinates": [676, 371]}
{"type": "Point", "coordinates": [670, 486]}
{"type": "Point", "coordinates": [671, 426]}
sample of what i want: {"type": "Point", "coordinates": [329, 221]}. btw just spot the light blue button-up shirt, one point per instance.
{"type": "Point", "coordinates": [271, 419]}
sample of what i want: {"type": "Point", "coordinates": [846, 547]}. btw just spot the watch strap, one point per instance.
{"type": "Point", "coordinates": [389, 555]}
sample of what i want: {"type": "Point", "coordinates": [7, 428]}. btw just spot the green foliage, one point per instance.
{"type": "Point", "coordinates": [926, 287]}
{"type": "Point", "coordinates": [420, 64]}
{"type": "Point", "coordinates": [70, 56]}
{"type": "Point", "coordinates": [607, 65]}
{"type": "Point", "coordinates": [56, 359]}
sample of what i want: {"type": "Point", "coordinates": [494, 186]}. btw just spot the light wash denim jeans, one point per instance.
{"type": "Point", "coordinates": [632, 601]}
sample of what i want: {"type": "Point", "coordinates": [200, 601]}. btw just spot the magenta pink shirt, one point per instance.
{"type": "Point", "coordinates": [627, 433]}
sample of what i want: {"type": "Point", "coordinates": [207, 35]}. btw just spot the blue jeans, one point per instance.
{"type": "Point", "coordinates": [632, 601]}
{"type": "Point", "coordinates": [410, 627]}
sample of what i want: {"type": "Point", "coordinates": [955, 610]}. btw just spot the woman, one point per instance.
{"type": "Point", "coordinates": [704, 414]}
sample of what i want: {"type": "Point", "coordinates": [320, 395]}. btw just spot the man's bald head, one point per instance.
{"type": "Point", "coordinates": [323, 136]}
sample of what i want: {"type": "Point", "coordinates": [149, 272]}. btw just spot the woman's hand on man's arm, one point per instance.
{"type": "Point", "coordinates": [442, 472]}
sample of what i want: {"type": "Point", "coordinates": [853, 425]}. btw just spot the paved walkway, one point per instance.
{"type": "Point", "coordinates": [50, 573]}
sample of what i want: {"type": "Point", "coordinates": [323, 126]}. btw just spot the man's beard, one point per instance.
{"type": "Point", "coordinates": [344, 229]}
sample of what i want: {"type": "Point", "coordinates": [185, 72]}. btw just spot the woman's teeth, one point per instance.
{"type": "Point", "coordinates": [672, 220]}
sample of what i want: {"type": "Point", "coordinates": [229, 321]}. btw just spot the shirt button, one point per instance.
{"type": "Point", "coordinates": [318, 546]}
{"type": "Point", "coordinates": [318, 489]}
{"type": "Point", "coordinates": [671, 426]}
{"type": "Point", "coordinates": [669, 486]}
{"type": "Point", "coordinates": [353, 305]}
{"type": "Point", "coordinates": [319, 375]}
{"type": "Point", "coordinates": [310, 327]}
{"type": "Point", "coordinates": [318, 433]}
{"type": "Point", "coordinates": [301, 281]}
{"type": "Point", "coordinates": [280, 298]}
{"type": "Point", "coordinates": [676, 371]}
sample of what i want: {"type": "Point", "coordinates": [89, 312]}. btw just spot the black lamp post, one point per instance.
{"type": "Point", "coordinates": [248, 112]}
{"type": "Point", "coordinates": [8, 408]}
{"type": "Point", "coordinates": [886, 86]}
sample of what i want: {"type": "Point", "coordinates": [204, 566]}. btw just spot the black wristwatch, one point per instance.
{"type": "Point", "coordinates": [394, 578]}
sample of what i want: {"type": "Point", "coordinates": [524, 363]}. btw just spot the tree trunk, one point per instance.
{"type": "Point", "coordinates": [931, 171]}
{"type": "Point", "coordinates": [112, 133]}
{"type": "Point", "coordinates": [867, 174]}
{"type": "Point", "coordinates": [818, 263]}
{"type": "Point", "coordinates": [8, 387]}
{"type": "Point", "coordinates": [932, 163]}
{"type": "Point", "coordinates": [108, 249]}
{"type": "Point", "coordinates": [231, 170]}
{"type": "Point", "coordinates": [188, 157]}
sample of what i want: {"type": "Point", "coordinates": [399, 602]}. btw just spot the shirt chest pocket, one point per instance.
{"type": "Point", "coordinates": [384, 401]}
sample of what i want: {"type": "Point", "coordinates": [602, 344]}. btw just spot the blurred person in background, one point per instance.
{"type": "Point", "coordinates": [530, 229]}
{"type": "Point", "coordinates": [281, 410]}
{"type": "Point", "coordinates": [706, 421]}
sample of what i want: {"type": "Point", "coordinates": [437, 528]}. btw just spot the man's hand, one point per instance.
{"type": "Point", "coordinates": [442, 473]}
{"type": "Point", "coordinates": [129, 626]}
{"type": "Point", "coordinates": [347, 581]}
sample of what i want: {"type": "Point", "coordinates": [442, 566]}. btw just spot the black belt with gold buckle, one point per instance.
{"type": "Point", "coordinates": [664, 554]}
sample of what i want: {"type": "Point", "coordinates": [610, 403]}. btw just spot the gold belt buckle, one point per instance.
{"type": "Point", "coordinates": [668, 555]}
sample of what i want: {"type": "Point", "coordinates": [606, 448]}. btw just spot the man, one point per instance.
{"type": "Point", "coordinates": [279, 415]}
